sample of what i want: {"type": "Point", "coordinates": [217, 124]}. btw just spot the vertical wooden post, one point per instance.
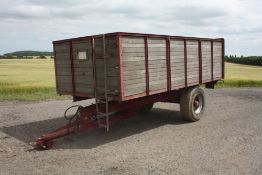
{"type": "Point", "coordinates": [223, 58]}
{"type": "Point", "coordinates": [55, 65]}
{"type": "Point", "coordinates": [168, 67]}
{"type": "Point", "coordinates": [146, 65]}
{"type": "Point", "coordinates": [212, 57]}
{"type": "Point", "coordinates": [185, 61]}
{"type": "Point", "coordinates": [200, 60]}
{"type": "Point", "coordinates": [120, 71]}
{"type": "Point", "coordinates": [94, 68]}
{"type": "Point", "coordinates": [72, 67]}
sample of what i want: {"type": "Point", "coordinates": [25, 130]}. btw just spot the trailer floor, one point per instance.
{"type": "Point", "coordinates": [226, 141]}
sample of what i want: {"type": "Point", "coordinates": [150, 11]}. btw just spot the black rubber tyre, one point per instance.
{"type": "Point", "coordinates": [146, 108]}
{"type": "Point", "coordinates": [192, 103]}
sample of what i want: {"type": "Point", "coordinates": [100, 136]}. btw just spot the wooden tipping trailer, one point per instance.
{"type": "Point", "coordinates": [127, 73]}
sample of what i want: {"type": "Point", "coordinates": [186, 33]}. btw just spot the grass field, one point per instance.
{"type": "Point", "coordinates": [34, 79]}
{"type": "Point", "coordinates": [239, 75]}
{"type": "Point", "coordinates": [27, 79]}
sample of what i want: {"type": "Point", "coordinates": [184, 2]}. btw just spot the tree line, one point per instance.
{"type": "Point", "coordinates": [27, 55]}
{"type": "Point", "coordinates": [249, 60]}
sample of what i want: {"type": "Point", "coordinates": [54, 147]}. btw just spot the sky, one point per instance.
{"type": "Point", "coordinates": [34, 24]}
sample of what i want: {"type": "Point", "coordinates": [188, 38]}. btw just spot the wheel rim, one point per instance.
{"type": "Point", "coordinates": [198, 104]}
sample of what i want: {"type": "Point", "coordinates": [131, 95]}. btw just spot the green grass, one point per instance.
{"type": "Point", "coordinates": [34, 79]}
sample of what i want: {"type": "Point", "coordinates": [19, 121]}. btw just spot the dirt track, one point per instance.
{"type": "Point", "coordinates": [228, 140]}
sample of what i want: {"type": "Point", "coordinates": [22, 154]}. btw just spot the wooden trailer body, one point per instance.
{"type": "Point", "coordinates": [137, 65]}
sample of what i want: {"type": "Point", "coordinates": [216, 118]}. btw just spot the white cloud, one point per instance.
{"type": "Point", "coordinates": [33, 24]}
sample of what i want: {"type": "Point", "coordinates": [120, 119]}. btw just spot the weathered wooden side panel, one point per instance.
{"type": "Point", "coordinates": [133, 62]}
{"type": "Point", "coordinates": [177, 63]}
{"type": "Point", "coordinates": [157, 66]}
{"type": "Point", "coordinates": [63, 68]}
{"type": "Point", "coordinates": [83, 72]}
{"type": "Point", "coordinates": [217, 60]}
{"type": "Point", "coordinates": [137, 64]}
{"type": "Point", "coordinates": [206, 61]}
{"type": "Point", "coordinates": [192, 62]}
{"type": "Point", "coordinates": [82, 69]}
{"type": "Point", "coordinates": [111, 51]}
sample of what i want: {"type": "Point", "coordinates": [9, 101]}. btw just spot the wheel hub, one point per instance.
{"type": "Point", "coordinates": [198, 104]}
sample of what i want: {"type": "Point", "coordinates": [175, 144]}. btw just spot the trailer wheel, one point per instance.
{"type": "Point", "coordinates": [192, 104]}
{"type": "Point", "coordinates": [146, 108]}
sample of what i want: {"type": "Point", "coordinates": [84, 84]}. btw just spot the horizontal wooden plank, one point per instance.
{"type": "Point", "coordinates": [83, 47]}
{"type": "Point", "coordinates": [132, 67]}
{"type": "Point", "coordinates": [177, 74]}
{"type": "Point", "coordinates": [156, 80]}
{"type": "Point", "coordinates": [64, 86]}
{"type": "Point", "coordinates": [62, 56]}
{"type": "Point", "coordinates": [156, 41]}
{"type": "Point", "coordinates": [135, 45]}
{"type": "Point", "coordinates": [151, 53]}
{"type": "Point", "coordinates": [177, 47]}
{"type": "Point", "coordinates": [134, 72]}
{"type": "Point", "coordinates": [127, 65]}
{"type": "Point", "coordinates": [217, 43]}
{"type": "Point", "coordinates": [135, 81]}
{"type": "Point", "coordinates": [177, 70]}
{"type": "Point", "coordinates": [133, 49]}
{"type": "Point", "coordinates": [63, 72]}
{"type": "Point", "coordinates": [179, 55]}
{"type": "Point", "coordinates": [159, 69]}
{"type": "Point", "coordinates": [159, 57]}
{"type": "Point", "coordinates": [206, 58]}
{"type": "Point", "coordinates": [193, 71]}
{"type": "Point", "coordinates": [132, 40]}
{"type": "Point", "coordinates": [133, 54]}
{"type": "Point", "coordinates": [64, 78]}
{"type": "Point", "coordinates": [128, 77]}
{"type": "Point", "coordinates": [191, 43]}
{"type": "Point", "coordinates": [174, 62]}
{"type": "Point", "coordinates": [63, 67]}
{"type": "Point", "coordinates": [65, 47]}
{"type": "Point", "coordinates": [134, 91]}
{"type": "Point", "coordinates": [157, 49]}
{"type": "Point", "coordinates": [175, 41]}
{"type": "Point", "coordinates": [177, 64]}
{"type": "Point", "coordinates": [176, 80]}
{"type": "Point", "coordinates": [151, 46]}
{"type": "Point", "coordinates": [133, 58]}
{"type": "Point", "coordinates": [157, 87]}
{"type": "Point", "coordinates": [176, 58]}
{"type": "Point", "coordinates": [137, 85]}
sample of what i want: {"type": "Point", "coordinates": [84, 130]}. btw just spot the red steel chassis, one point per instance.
{"type": "Point", "coordinates": [86, 120]}
{"type": "Point", "coordinates": [121, 111]}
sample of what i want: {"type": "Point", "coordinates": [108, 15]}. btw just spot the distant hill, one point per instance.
{"type": "Point", "coordinates": [29, 53]}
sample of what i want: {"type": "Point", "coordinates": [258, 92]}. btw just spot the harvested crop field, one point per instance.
{"type": "Point", "coordinates": [226, 141]}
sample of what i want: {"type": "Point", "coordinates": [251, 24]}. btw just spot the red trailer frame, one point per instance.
{"type": "Point", "coordinates": [86, 120]}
